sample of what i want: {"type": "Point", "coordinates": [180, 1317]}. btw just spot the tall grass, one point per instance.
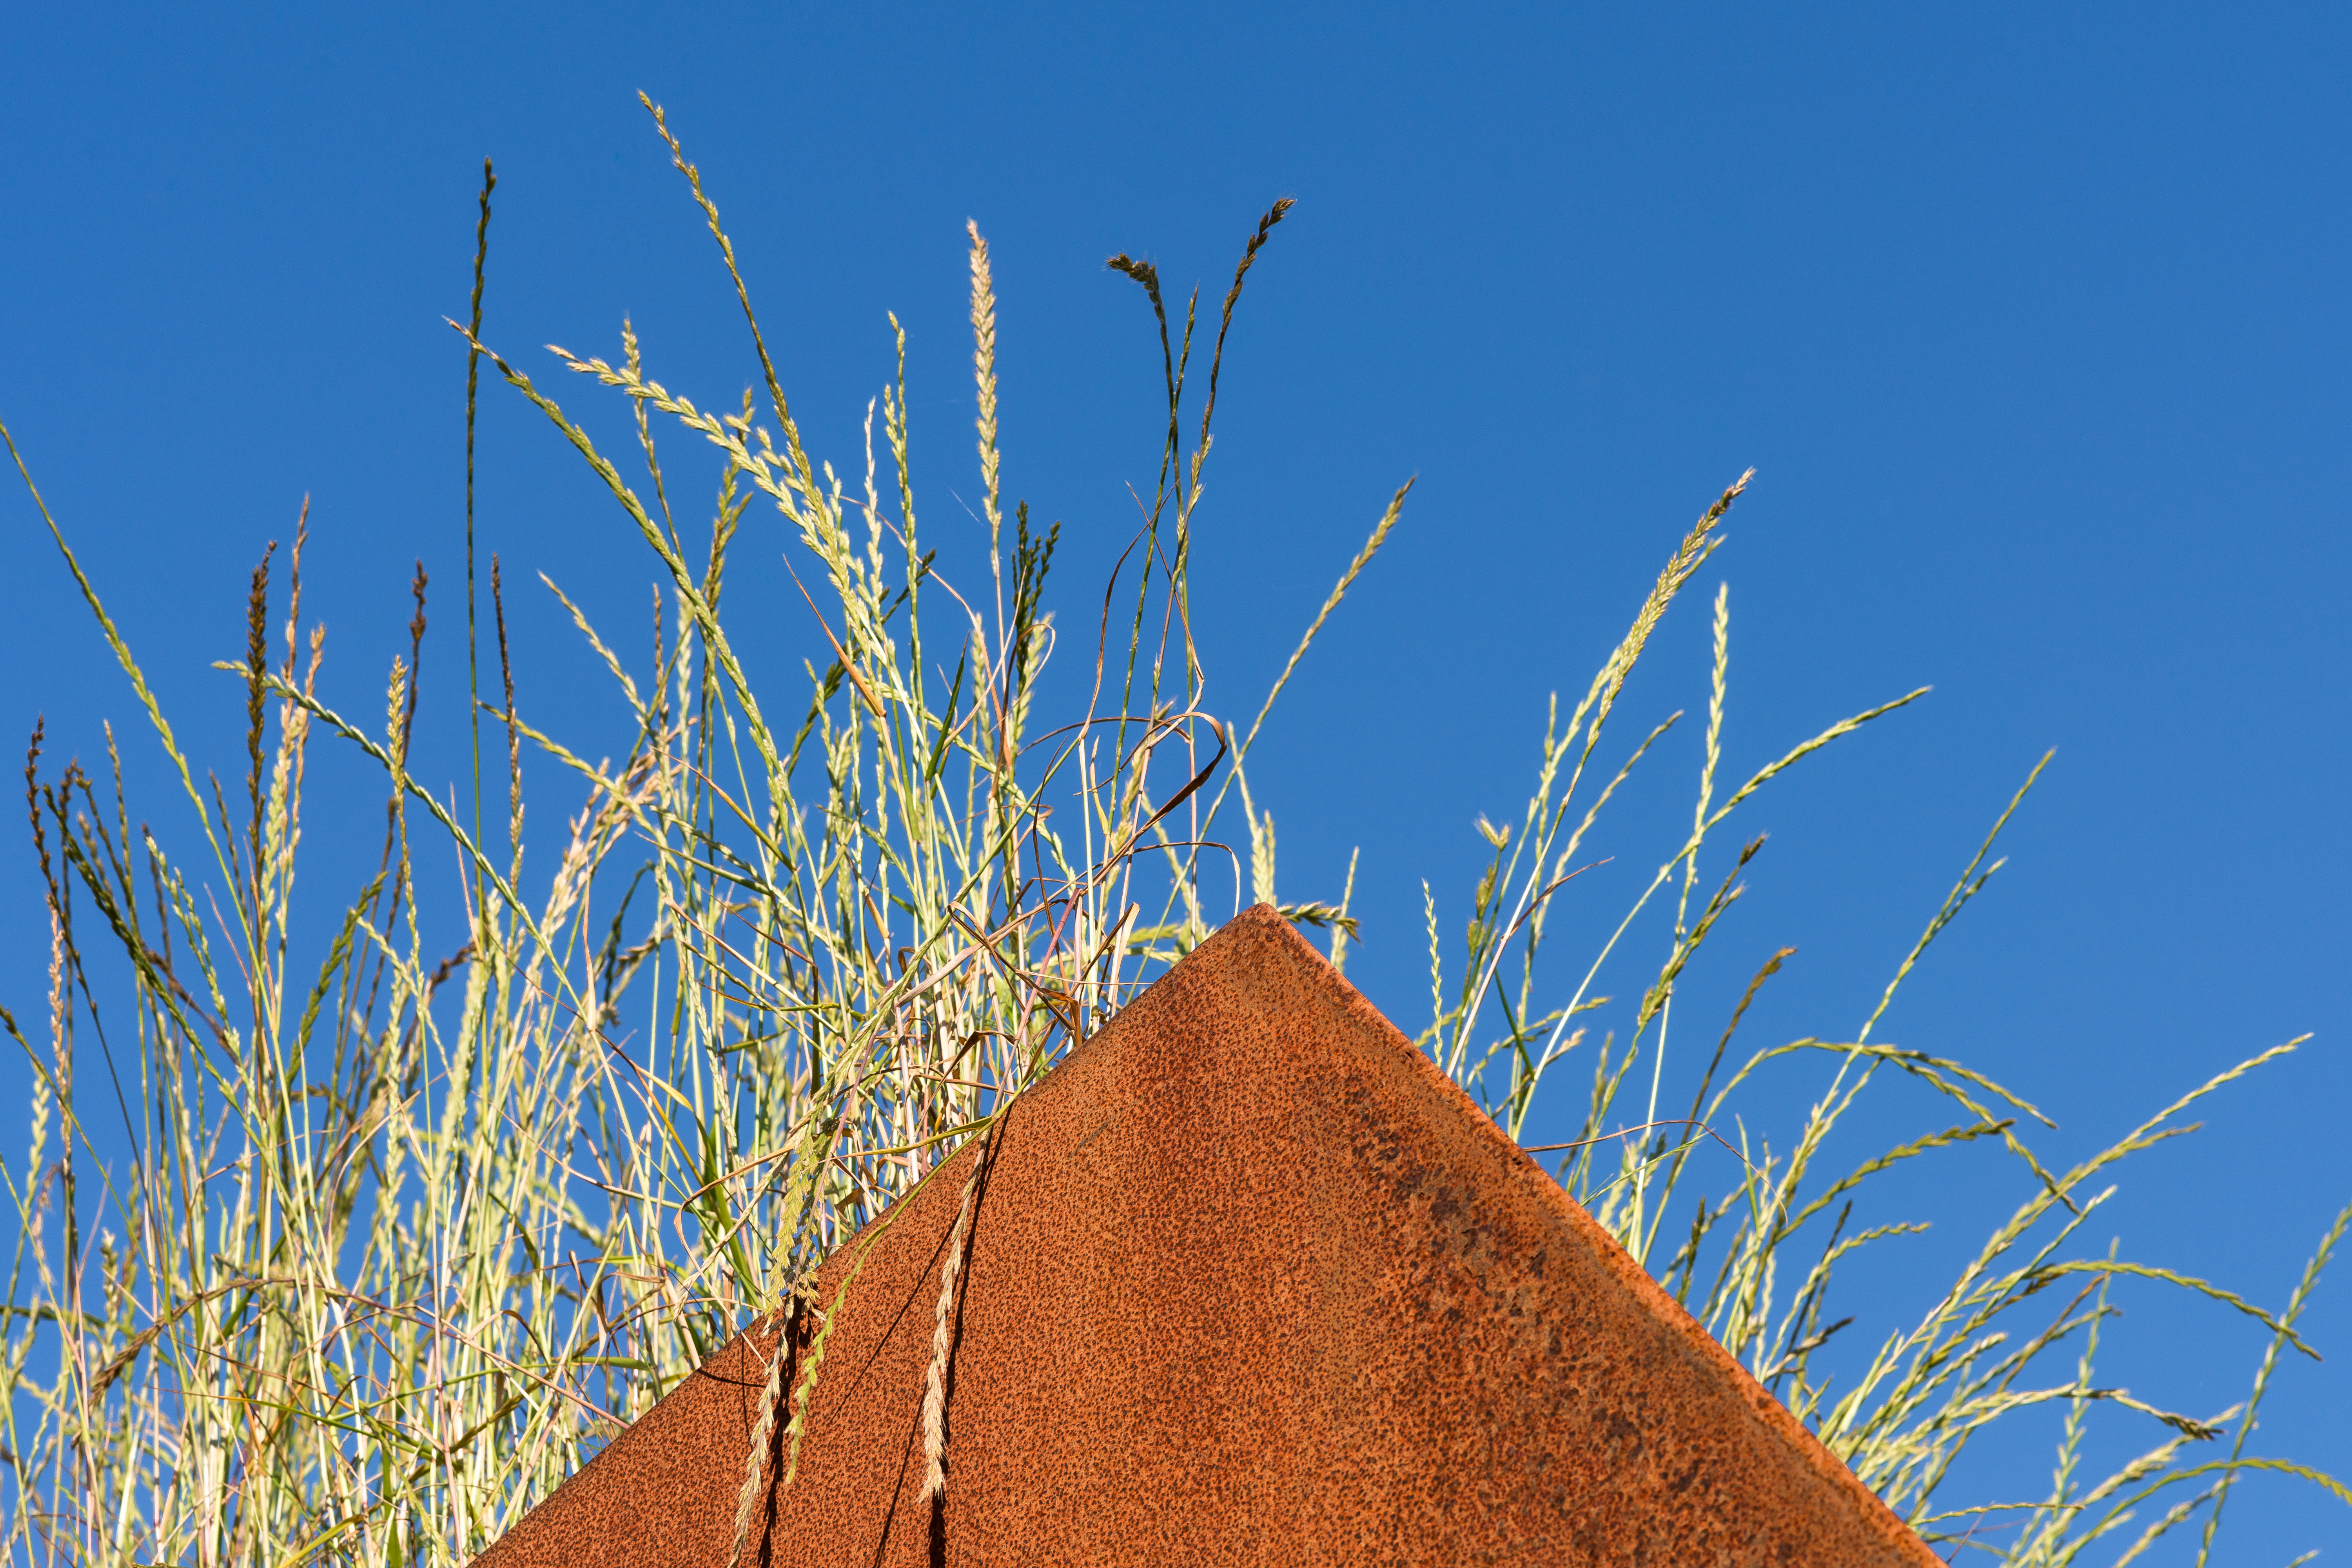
{"type": "Point", "coordinates": [409, 1200]}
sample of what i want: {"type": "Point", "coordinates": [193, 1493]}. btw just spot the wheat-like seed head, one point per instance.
{"type": "Point", "coordinates": [983, 370]}
{"type": "Point", "coordinates": [935, 1380]}
{"type": "Point", "coordinates": [763, 1431]}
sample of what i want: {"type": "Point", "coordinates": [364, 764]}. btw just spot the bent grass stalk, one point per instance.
{"type": "Point", "coordinates": [421, 1195]}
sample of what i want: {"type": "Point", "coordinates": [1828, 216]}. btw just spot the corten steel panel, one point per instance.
{"type": "Point", "coordinates": [1249, 1282]}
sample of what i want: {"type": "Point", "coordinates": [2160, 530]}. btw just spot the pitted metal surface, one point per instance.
{"type": "Point", "coordinates": [1249, 1281]}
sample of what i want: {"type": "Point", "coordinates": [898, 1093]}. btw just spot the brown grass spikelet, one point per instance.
{"type": "Point", "coordinates": [1274, 215]}
{"type": "Point", "coordinates": [1143, 272]}
{"type": "Point", "coordinates": [416, 662]}
{"type": "Point", "coordinates": [935, 1382]}
{"type": "Point", "coordinates": [828, 1318]}
{"type": "Point", "coordinates": [514, 741]}
{"type": "Point", "coordinates": [763, 1431]}
{"type": "Point", "coordinates": [256, 672]}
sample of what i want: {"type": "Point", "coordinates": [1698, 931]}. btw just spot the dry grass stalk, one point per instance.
{"type": "Point", "coordinates": [461, 1180]}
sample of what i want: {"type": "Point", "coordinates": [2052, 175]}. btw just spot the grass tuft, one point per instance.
{"type": "Point", "coordinates": [424, 1187]}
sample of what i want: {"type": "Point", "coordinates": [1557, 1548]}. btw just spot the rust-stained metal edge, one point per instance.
{"type": "Point", "coordinates": [1056, 1451]}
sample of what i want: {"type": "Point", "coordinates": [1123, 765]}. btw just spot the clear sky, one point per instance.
{"type": "Point", "coordinates": [2032, 319]}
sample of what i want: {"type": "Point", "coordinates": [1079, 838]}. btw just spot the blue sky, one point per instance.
{"type": "Point", "coordinates": [2032, 319]}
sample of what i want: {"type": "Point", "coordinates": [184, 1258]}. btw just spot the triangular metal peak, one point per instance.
{"type": "Point", "coordinates": [1249, 1281]}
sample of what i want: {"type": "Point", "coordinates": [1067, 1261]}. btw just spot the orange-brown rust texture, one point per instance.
{"type": "Point", "coordinates": [1250, 1283]}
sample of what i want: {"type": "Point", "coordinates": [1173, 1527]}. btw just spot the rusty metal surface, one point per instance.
{"type": "Point", "coordinates": [1249, 1281]}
